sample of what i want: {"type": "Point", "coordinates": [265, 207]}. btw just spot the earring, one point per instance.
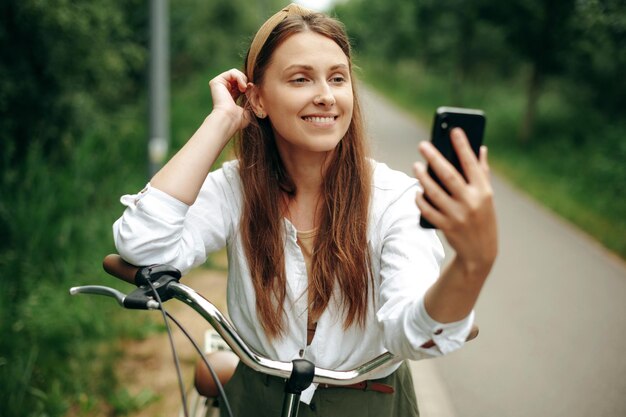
{"type": "Point", "coordinates": [260, 115]}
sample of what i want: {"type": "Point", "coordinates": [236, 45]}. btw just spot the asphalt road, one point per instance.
{"type": "Point", "coordinates": [552, 314]}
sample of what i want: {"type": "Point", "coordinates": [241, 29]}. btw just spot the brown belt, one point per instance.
{"type": "Point", "coordinates": [363, 386]}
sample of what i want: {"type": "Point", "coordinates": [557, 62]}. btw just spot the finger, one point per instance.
{"type": "Point", "coordinates": [438, 196]}
{"type": "Point", "coordinates": [428, 211]}
{"type": "Point", "coordinates": [467, 158]}
{"type": "Point", "coordinates": [238, 76]}
{"type": "Point", "coordinates": [234, 88]}
{"type": "Point", "coordinates": [484, 159]}
{"type": "Point", "coordinates": [234, 80]}
{"type": "Point", "coordinates": [451, 179]}
{"type": "Point", "coordinates": [225, 77]}
{"type": "Point", "coordinates": [242, 80]}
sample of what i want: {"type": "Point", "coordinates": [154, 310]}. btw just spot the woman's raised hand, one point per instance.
{"type": "Point", "coordinates": [466, 216]}
{"type": "Point", "coordinates": [226, 88]}
{"type": "Point", "coordinates": [183, 175]}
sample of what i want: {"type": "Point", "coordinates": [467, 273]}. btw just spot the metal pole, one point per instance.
{"type": "Point", "coordinates": [291, 405]}
{"type": "Point", "coordinates": [159, 85]}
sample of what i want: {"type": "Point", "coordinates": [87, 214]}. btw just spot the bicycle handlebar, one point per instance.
{"type": "Point", "coordinates": [260, 363]}
{"type": "Point", "coordinates": [114, 265]}
{"type": "Point", "coordinates": [119, 268]}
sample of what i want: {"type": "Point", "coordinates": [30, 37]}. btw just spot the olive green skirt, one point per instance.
{"type": "Point", "coordinates": [252, 394]}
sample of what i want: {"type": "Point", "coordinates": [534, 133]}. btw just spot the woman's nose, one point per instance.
{"type": "Point", "coordinates": [325, 97]}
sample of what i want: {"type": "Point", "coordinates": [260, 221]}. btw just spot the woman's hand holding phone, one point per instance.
{"type": "Point", "coordinates": [466, 212]}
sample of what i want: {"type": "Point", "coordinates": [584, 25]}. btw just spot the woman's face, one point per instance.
{"type": "Point", "coordinates": [307, 93]}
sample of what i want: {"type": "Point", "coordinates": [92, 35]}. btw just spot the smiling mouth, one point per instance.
{"type": "Point", "coordinates": [318, 119]}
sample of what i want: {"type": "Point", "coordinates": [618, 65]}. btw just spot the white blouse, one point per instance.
{"type": "Point", "coordinates": [157, 228]}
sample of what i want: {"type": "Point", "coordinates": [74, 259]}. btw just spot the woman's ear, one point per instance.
{"type": "Point", "coordinates": [254, 98]}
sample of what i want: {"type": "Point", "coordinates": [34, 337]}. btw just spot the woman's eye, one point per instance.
{"type": "Point", "coordinates": [299, 80]}
{"type": "Point", "coordinates": [338, 79]}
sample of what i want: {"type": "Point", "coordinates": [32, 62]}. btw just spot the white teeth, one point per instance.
{"type": "Point", "coordinates": [319, 119]}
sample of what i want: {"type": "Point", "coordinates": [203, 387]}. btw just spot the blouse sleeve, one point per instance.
{"type": "Point", "coordinates": [157, 228]}
{"type": "Point", "coordinates": [410, 264]}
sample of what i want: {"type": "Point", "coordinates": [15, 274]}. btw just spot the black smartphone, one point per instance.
{"type": "Point", "coordinates": [472, 121]}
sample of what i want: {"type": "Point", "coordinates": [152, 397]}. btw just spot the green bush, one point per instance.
{"type": "Point", "coordinates": [58, 352]}
{"type": "Point", "coordinates": [58, 220]}
{"type": "Point", "coordinates": [574, 163]}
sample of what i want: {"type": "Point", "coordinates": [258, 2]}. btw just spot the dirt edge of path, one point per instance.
{"type": "Point", "coordinates": [148, 364]}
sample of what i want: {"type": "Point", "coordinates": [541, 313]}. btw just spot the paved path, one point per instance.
{"type": "Point", "coordinates": [552, 315]}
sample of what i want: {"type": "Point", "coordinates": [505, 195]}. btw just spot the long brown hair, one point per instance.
{"type": "Point", "coordinates": [341, 254]}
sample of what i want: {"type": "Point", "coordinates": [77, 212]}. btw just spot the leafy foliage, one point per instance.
{"type": "Point", "coordinates": [214, 34]}
{"type": "Point", "coordinates": [598, 56]}
{"type": "Point", "coordinates": [72, 114]}
{"type": "Point", "coordinates": [547, 70]}
{"type": "Point", "coordinates": [60, 63]}
{"type": "Point", "coordinates": [578, 44]}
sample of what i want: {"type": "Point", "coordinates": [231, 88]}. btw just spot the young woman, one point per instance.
{"type": "Point", "coordinates": [326, 257]}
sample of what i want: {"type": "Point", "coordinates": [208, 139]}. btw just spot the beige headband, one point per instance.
{"type": "Point", "coordinates": [266, 29]}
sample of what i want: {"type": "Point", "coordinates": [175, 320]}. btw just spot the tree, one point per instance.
{"type": "Point", "coordinates": [598, 57]}
{"type": "Point", "coordinates": [382, 28]}
{"type": "Point", "coordinates": [541, 32]}
{"type": "Point", "coordinates": [60, 62]}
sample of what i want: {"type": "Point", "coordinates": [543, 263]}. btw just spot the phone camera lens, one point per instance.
{"type": "Point", "coordinates": [444, 122]}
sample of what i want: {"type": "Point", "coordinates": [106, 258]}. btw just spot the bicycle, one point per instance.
{"type": "Point", "coordinates": [160, 283]}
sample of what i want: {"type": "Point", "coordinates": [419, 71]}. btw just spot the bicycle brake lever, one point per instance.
{"type": "Point", "coordinates": [110, 292]}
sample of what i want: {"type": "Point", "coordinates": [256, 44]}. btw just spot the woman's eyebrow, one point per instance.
{"type": "Point", "coordinates": [299, 67]}
{"type": "Point", "coordinates": [304, 67]}
{"type": "Point", "coordinates": [339, 66]}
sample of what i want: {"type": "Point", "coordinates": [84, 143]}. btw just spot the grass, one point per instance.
{"type": "Point", "coordinates": [56, 351]}
{"type": "Point", "coordinates": [574, 163]}
{"type": "Point", "coordinates": [57, 212]}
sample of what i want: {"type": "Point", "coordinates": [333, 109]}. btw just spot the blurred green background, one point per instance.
{"type": "Point", "coordinates": [73, 116]}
